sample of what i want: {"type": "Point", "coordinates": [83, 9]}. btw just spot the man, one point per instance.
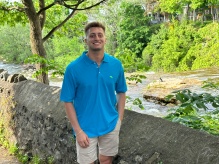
{"type": "Point", "coordinates": [93, 91]}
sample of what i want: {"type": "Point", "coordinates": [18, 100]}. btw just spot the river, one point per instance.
{"type": "Point", "coordinates": [11, 68]}
{"type": "Point", "coordinates": [136, 90]}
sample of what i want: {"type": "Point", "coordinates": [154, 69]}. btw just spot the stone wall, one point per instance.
{"type": "Point", "coordinates": [147, 139]}
{"type": "Point", "coordinates": [39, 126]}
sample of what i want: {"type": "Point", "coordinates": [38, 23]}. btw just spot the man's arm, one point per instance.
{"type": "Point", "coordinates": [81, 137]}
{"type": "Point", "coordinates": [121, 104]}
{"type": "Point", "coordinates": [71, 114]}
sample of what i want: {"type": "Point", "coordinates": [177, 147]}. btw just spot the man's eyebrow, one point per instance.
{"type": "Point", "coordinates": [96, 33]}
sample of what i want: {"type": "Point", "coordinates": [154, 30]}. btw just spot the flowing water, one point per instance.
{"type": "Point", "coordinates": [136, 90]}
{"type": "Point", "coordinates": [11, 68]}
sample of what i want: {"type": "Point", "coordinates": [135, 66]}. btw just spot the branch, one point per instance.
{"type": "Point", "coordinates": [89, 7]}
{"type": "Point", "coordinates": [20, 9]}
{"type": "Point", "coordinates": [69, 16]}
{"type": "Point", "coordinates": [42, 15]}
{"type": "Point", "coordinates": [45, 8]}
{"type": "Point", "coordinates": [57, 27]}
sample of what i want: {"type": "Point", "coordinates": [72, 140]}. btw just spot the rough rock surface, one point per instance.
{"type": "Point", "coordinates": [148, 139]}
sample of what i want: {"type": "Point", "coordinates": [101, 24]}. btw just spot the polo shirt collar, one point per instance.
{"type": "Point", "coordinates": [88, 60]}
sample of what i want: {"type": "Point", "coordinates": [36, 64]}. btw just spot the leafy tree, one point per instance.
{"type": "Point", "coordinates": [204, 52]}
{"type": "Point", "coordinates": [134, 29]}
{"type": "Point", "coordinates": [130, 62]}
{"type": "Point", "coordinates": [172, 6]}
{"type": "Point", "coordinates": [154, 46]}
{"type": "Point", "coordinates": [14, 43]}
{"type": "Point", "coordinates": [195, 4]}
{"type": "Point", "coordinates": [183, 46]}
{"type": "Point", "coordinates": [214, 5]}
{"type": "Point", "coordinates": [61, 51]}
{"type": "Point", "coordinates": [35, 13]}
{"type": "Point", "coordinates": [207, 55]}
{"type": "Point", "coordinates": [176, 7]}
{"type": "Point", "coordinates": [67, 41]}
{"type": "Point", "coordinates": [174, 48]}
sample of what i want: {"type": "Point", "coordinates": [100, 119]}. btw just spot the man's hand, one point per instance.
{"type": "Point", "coordinates": [82, 139]}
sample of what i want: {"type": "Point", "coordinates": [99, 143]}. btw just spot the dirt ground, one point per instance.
{"type": "Point", "coordinates": [6, 158]}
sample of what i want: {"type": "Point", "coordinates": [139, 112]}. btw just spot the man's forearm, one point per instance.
{"type": "Point", "coordinates": [121, 104]}
{"type": "Point", "coordinates": [71, 114]}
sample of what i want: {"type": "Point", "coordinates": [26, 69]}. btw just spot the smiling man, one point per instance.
{"type": "Point", "coordinates": [93, 92]}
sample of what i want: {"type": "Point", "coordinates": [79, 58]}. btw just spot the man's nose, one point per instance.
{"type": "Point", "coordinates": [96, 37]}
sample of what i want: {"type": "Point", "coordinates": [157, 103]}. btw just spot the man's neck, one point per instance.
{"type": "Point", "coordinates": [96, 56]}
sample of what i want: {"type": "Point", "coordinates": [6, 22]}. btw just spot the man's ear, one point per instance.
{"type": "Point", "coordinates": [85, 40]}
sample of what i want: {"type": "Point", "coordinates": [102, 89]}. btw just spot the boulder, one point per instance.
{"type": "Point", "coordinates": [4, 75]}
{"type": "Point", "coordinates": [14, 78]}
{"type": "Point", "coordinates": [156, 91]}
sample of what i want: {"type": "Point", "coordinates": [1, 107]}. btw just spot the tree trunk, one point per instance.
{"type": "Point", "coordinates": [36, 40]}
{"type": "Point", "coordinates": [216, 14]}
{"type": "Point", "coordinates": [194, 15]}
{"type": "Point", "coordinates": [186, 12]}
{"type": "Point", "coordinates": [212, 13]}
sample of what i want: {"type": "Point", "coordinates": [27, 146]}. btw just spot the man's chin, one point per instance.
{"type": "Point", "coordinates": [96, 49]}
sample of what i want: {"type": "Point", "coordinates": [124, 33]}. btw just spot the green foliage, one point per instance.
{"type": "Point", "coordinates": [196, 4]}
{"type": "Point", "coordinates": [130, 61]}
{"type": "Point", "coordinates": [67, 43]}
{"type": "Point", "coordinates": [174, 47]}
{"type": "Point", "coordinates": [73, 28]}
{"type": "Point", "coordinates": [207, 55]}
{"type": "Point", "coordinates": [11, 17]}
{"type": "Point", "coordinates": [134, 29]}
{"type": "Point", "coordinates": [136, 77]}
{"type": "Point", "coordinates": [176, 6]}
{"type": "Point", "coordinates": [172, 6]}
{"type": "Point", "coordinates": [14, 43]}
{"type": "Point", "coordinates": [154, 46]}
{"type": "Point", "coordinates": [50, 65]}
{"type": "Point", "coordinates": [57, 47]}
{"type": "Point", "coordinates": [210, 84]}
{"type": "Point", "coordinates": [204, 53]}
{"type": "Point", "coordinates": [198, 111]}
{"type": "Point", "coordinates": [3, 141]}
{"type": "Point", "coordinates": [183, 46]}
{"type": "Point", "coordinates": [138, 102]}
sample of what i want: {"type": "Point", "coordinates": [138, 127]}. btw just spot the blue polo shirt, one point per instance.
{"type": "Point", "coordinates": [92, 90]}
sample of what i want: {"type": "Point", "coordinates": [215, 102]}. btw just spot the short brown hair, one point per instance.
{"type": "Point", "coordinates": [93, 24]}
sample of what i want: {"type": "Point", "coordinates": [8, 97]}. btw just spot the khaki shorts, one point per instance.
{"type": "Point", "coordinates": [106, 145]}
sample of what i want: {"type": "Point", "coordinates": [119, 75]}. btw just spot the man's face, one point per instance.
{"type": "Point", "coordinates": [95, 39]}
